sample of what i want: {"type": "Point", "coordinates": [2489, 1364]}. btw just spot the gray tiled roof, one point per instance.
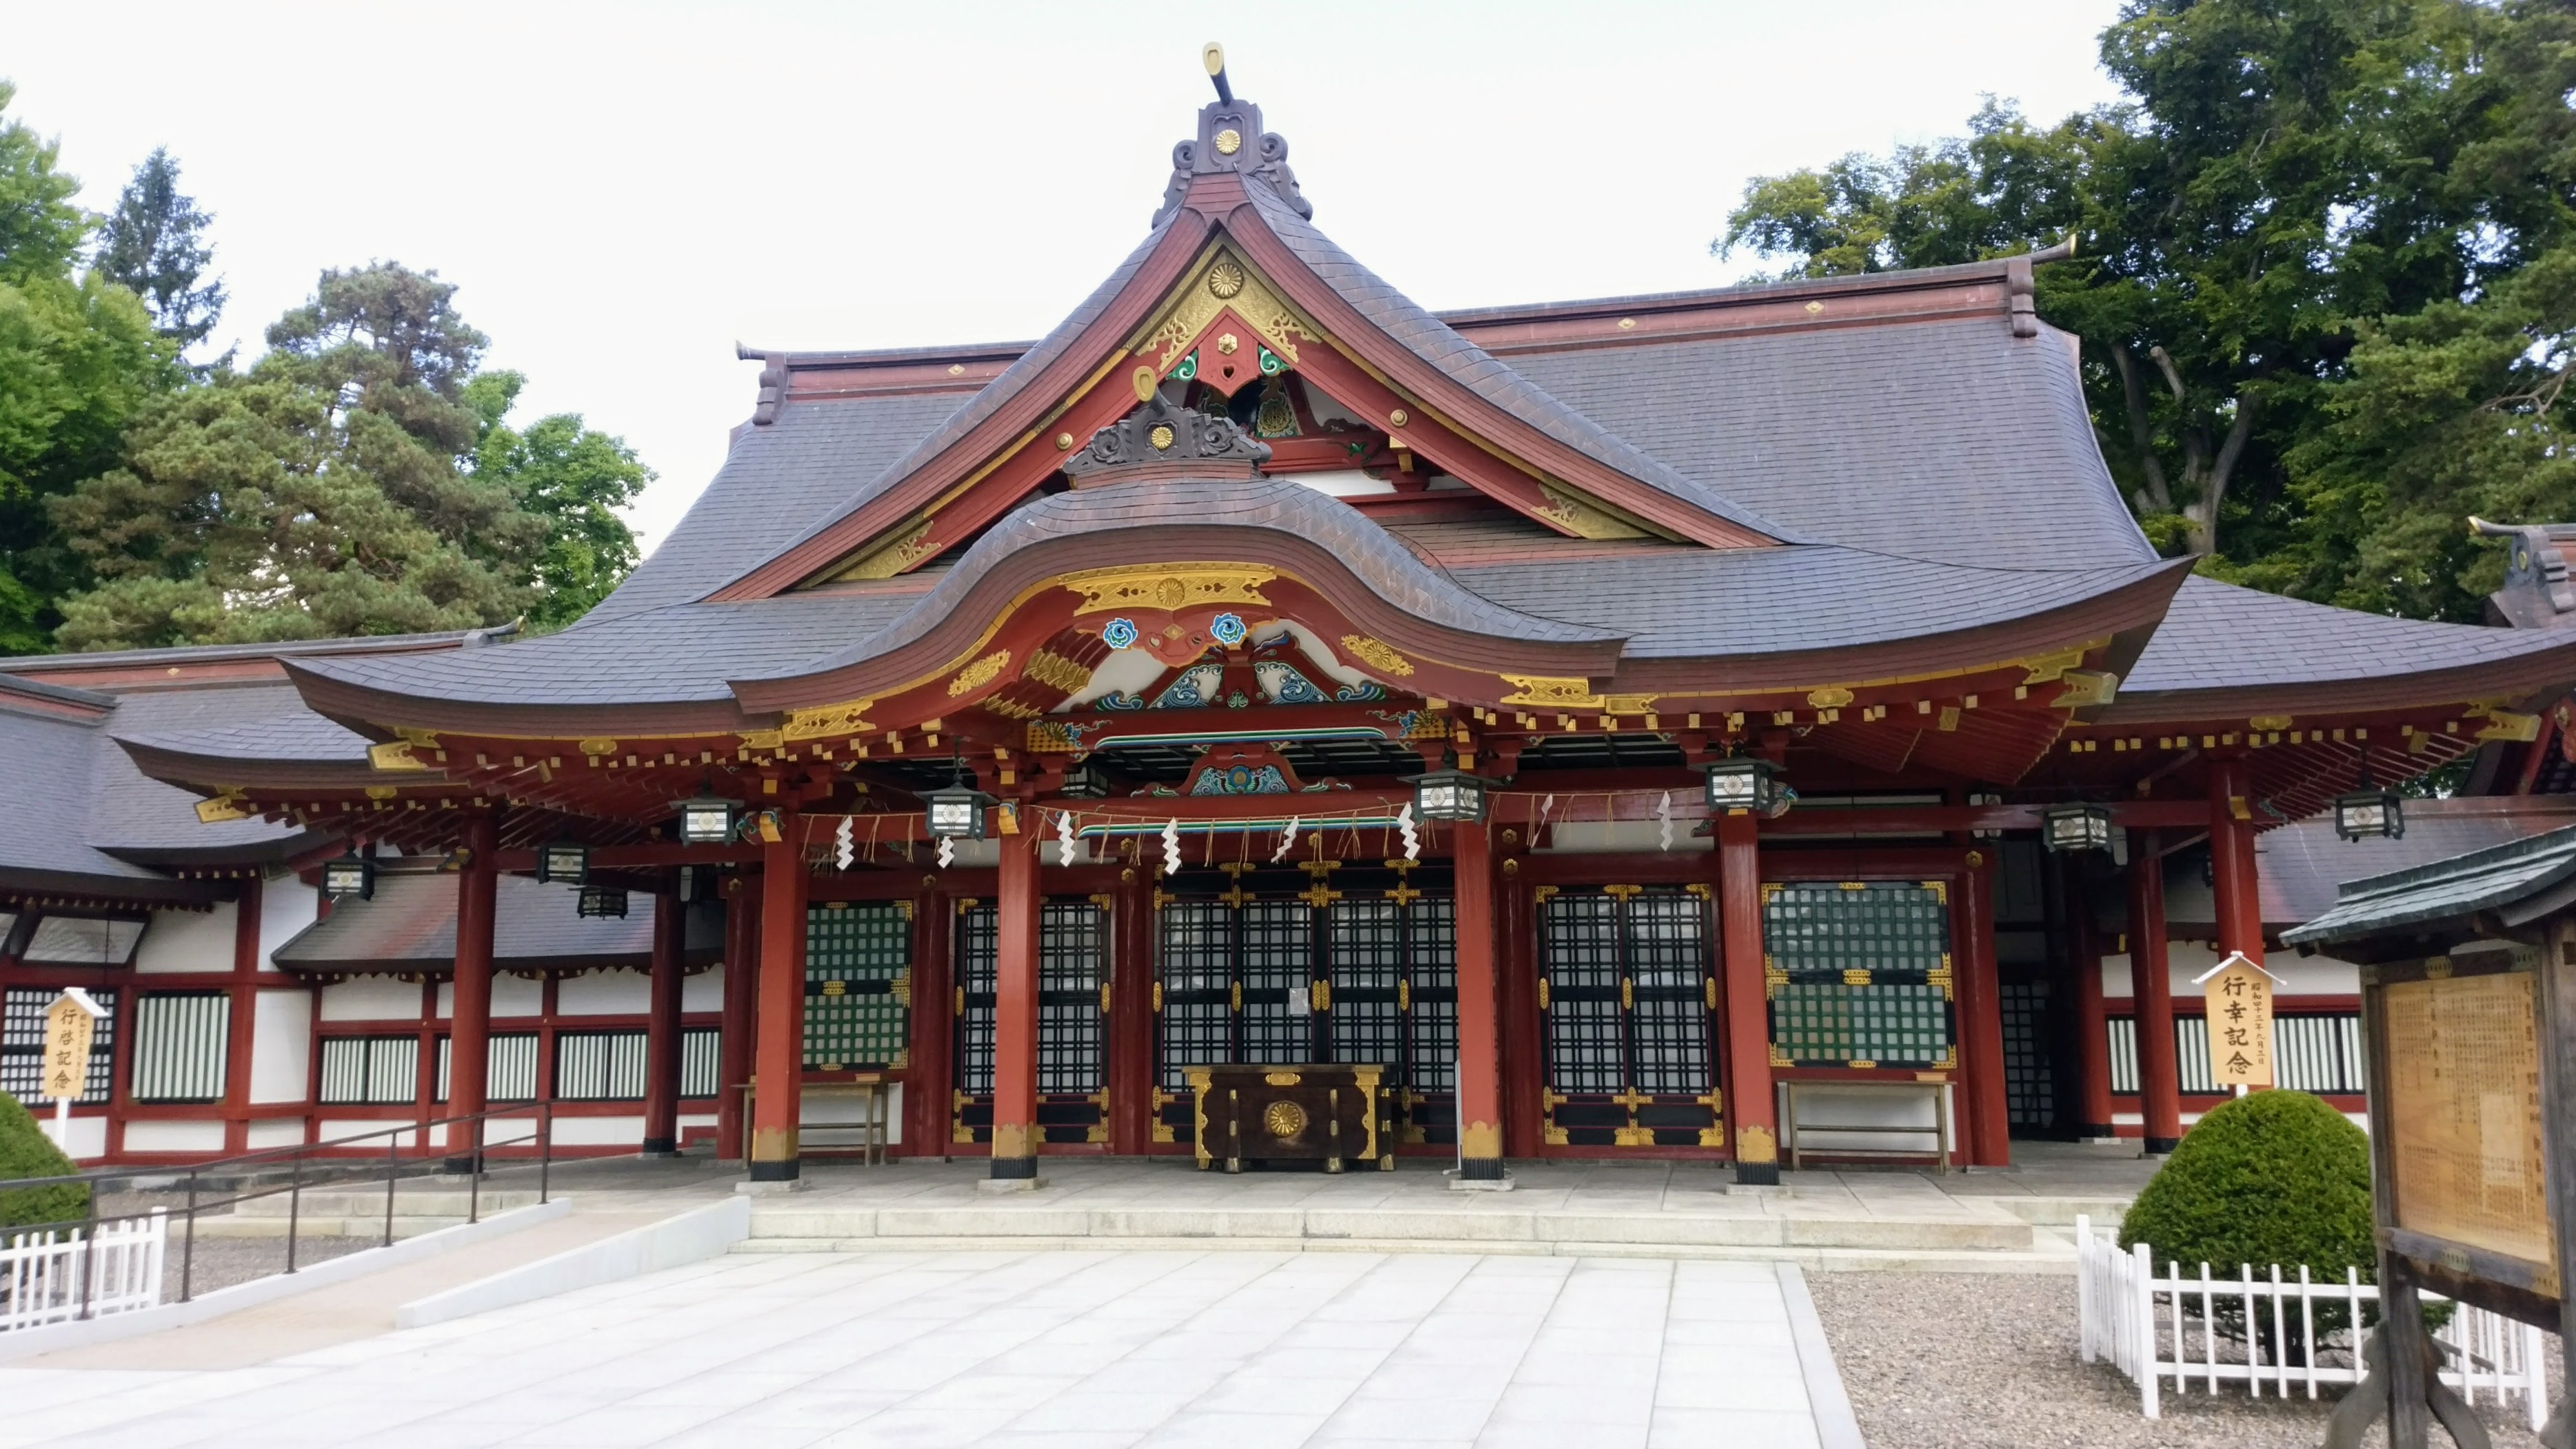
{"type": "Point", "coordinates": [50, 765]}
{"type": "Point", "coordinates": [1952, 440]}
{"type": "Point", "coordinates": [411, 924]}
{"type": "Point", "coordinates": [813, 463]}
{"type": "Point", "coordinates": [2301, 865]}
{"type": "Point", "coordinates": [682, 652]}
{"type": "Point", "coordinates": [225, 653]}
{"type": "Point", "coordinates": [1273, 504]}
{"type": "Point", "coordinates": [260, 722]}
{"type": "Point", "coordinates": [1491, 378]}
{"type": "Point", "coordinates": [1737, 602]}
{"type": "Point", "coordinates": [2494, 879]}
{"type": "Point", "coordinates": [2219, 636]}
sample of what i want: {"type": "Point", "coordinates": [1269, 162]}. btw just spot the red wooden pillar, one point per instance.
{"type": "Point", "coordinates": [469, 1021]}
{"type": "Point", "coordinates": [927, 1125]}
{"type": "Point", "coordinates": [1523, 1052]}
{"type": "Point", "coordinates": [1131, 1015]}
{"type": "Point", "coordinates": [1981, 1017]}
{"type": "Point", "coordinates": [741, 996]}
{"type": "Point", "coordinates": [1480, 1069]}
{"type": "Point", "coordinates": [241, 1005]}
{"type": "Point", "coordinates": [2151, 992]}
{"type": "Point", "coordinates": [1752, 1118]}
{"type": "Point", "coordinates": [2092, 1022]}
{"type": "Point", "coordinates": [1015, 1011]}
{"type": "Point", "coordinates": [2231, 860]}
{"type": "Point", "coordinates": [662, 1024]}
{"type": "Point", "coordinates": [779, 1060]}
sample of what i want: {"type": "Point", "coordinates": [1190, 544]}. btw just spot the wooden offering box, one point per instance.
{"type": "Point", "coordinates": [1303, 1113]}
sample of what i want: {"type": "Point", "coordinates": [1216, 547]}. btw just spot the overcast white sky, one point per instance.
{"type": "Point", "coordinates": [622, 191]}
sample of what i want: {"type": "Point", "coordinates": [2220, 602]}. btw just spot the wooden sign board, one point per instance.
{"type": "Point", "coordinates": [2239, 1007]}
{"type": "Point", "coordinates": [2463, 1115]}
{"type": "Point", "coordinates": [69, 1029]}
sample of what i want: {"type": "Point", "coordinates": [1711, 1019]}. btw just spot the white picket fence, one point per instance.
{"type": "Point", "coordinates": [41, 1274]}
{"type": "Point", "coordinates": [2154, 1329]}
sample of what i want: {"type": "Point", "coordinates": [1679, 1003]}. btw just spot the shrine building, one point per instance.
{"type": "Point", "coordinates": [1546, 731]}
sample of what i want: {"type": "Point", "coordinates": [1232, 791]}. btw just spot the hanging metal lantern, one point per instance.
{"type": "Point", "coordinates": [349, 875]}
{"type": "Point", "coordinates": [957, 812]}
{"type": "Point", "coordinates": [1450, 795]}
{"type": "Point", "coordinates": [706, 821]}
{"type": "Point", "coordinates": [2075, 827]}
{"type": "Point", "coordinates": [1747, 783]}
{"type": "Point", "coordinates": [2369, 813]}
{"type": "Point", "coordinates": [565, 861]}
{"type": "Point", "coordinates": [601, 901]}
{"type": "Point", "coordinates": [1085, 781]}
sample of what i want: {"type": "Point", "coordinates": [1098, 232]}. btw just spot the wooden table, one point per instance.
{"type": "Point", "coordinates": [1943, 1130]}
{"type": "Point", "coordinates": [1289, 1113]}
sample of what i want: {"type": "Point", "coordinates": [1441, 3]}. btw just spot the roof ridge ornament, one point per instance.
{"type": "Point", "coordinates": [1158, 434]}
{"type": "Point", "coordinates": [1222, 146]}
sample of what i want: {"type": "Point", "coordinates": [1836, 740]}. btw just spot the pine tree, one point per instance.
{"type": "Point", "coordinates": [154, 244]}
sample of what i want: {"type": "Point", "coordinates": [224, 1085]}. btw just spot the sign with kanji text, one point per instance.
{"type": "Point", "coordinates": [70, 1025]}
{"type": "Point", "coordinates": [2239, 1004]}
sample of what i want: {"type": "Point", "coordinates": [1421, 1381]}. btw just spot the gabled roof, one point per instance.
{"type": "Point", "coordinates": [410, 926]}
{"type": "Point", "coordinates": [2518, 881]}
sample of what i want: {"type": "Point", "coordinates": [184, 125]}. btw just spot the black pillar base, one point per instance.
{"type": "Point", "coordinates": [2099, 1130]}
{"type": "Point", "coordinates": [661, 1147]}
{"type": "Point", "coordinates": [2162, 1146]}
{"type": "Point", "coordinates": [1014, 1168]}
{"type": "Point", "coordinates": [780, 1171]}
{"type": "Point", "coordinates": [1757, 1174]}
{"type": "Point", "coordinates": [1480, 1169]}
{"type": "Point", "coordinates": [458, 1165]}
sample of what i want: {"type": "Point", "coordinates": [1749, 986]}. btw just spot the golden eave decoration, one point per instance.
{"type": "Point", "coordinates": [393, 755]}
{"type": "Point", "coordinates": [1376, 655]}
{"type": "Point", "coordinates": [825, 721]}
{"type": "Point", "coordinates": [225, 806]}
{"type": "Point", "coordinates": [980, 673]}
{"type": "Point", "coordinates": [1551, 691]}
{"type": "Point", "coordinates": [1222, 281]}
{"type": "Point", "coordinates": [1168, 589]}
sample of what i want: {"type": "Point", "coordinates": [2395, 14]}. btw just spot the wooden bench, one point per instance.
{"type": "Point", "coordinates": [1793, 1123]}
{"type": "Point", "coordinates": [869, 1088]}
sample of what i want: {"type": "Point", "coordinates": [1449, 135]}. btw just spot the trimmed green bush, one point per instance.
{"type": "Point", "coordinates": [25, 1151]}
{"type": "Point", "coordinates": [2273, 1177]}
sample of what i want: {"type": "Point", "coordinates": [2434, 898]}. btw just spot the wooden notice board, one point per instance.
{"type": "Point", "coordinates": [2239, 1007]}
{"type": "Point", "coordinates": [2463, 1111]}
{"type": "Point", "coordinates": [69, 1030]}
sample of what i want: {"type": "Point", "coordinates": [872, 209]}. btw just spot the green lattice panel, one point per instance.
{"type": "Point", "coordinates": [858, 960]}
{"type": "Point", "coordinates": [1859, 974]}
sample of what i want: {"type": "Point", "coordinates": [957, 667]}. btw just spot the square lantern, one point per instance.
{"type": "Point", "coordinates": [567, 861]}
{"type": "Point", "coordinates": [1449, 795]}
{"type": "Point", "coordinates": [1747, 784]}
{"type": "Point", "coordinates": [602, 901]}
{"type": "Point", "coordinates": [349, 875]}
{"type": "Point", "coordinates": [2369, 813]}
{"type": "Point", "coordinates": [706, 822]}
{"type": "Point", "coordinates": [957, 812]}
{"type": "Point", "coordinates": [2075, 827]}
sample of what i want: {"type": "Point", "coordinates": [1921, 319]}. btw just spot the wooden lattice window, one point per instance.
{"type": "Point", "coordinates": [858, 985]}
{"type": "Point", "coordinates": [1859, 974]}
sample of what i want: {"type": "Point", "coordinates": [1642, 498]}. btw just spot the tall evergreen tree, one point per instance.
{"type": "Point", "coordinates": [154, 244]}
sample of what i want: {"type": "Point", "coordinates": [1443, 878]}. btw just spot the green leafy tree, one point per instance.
{"type": "Point", "coordinates": [572, 478]}
{"type": "Point", "coordinates": [358, 479]}
{"type": "Point", "coordinates": [2288, 183]}
{"type": "Point", "coordinates": [154, 245]}
{"type": "Point", "coordinates": [78, 360]}
{"type": "Point", "coordinates": [25, 1151]}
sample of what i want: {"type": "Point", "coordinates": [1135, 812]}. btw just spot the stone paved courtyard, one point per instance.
{"type": "Point", "coordinates": [1065, 1349]}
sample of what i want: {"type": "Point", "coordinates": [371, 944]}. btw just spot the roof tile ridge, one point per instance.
{"type": "Point", "coordinates": [2137, 566]}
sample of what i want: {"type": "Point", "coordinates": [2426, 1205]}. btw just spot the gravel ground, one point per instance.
{"type": "Point", "coordinates": [223, 1262]}
{"type": "Point", "coordinates": [1962, 1361]}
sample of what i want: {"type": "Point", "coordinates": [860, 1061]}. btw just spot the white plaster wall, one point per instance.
{"type": "Point", "coordinates": [1579, 837]}
{"type": "Point", "coordinates": [276, 1132]}
{"type": "Point", "coordinates": [603, 993]}
{"type": "Point", "coordinates": [88, 1134]}
{"type": "Point", "coordinates": [704, 991]}
{"type": "Point", "coordinates": [333, 1128]}
{"type": "Point", "coordinates": [281, 1045]}
{"type": "Point", "coordinates": [174, 1136]}
{"type": "Point", "coordinates": [599, 1131]}
{"type": "Point", "coordinates": [189, 940]}
{"type": "Point", "coordinates": [286, 906]}
{"type": "Point", "coordinates": [371, 998]}
{"type": "Point", "coordinates": [2303, 975]}
{"type": "Point", "coordinates": [511, 996]}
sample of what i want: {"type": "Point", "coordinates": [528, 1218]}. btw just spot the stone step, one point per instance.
{"type": "Point", "coordinates": [441, 1201]}
{"type": "Point", "coordinates": [2061, 1212]}
{"type": "Point", "coordinates": [1820, 1258]}
{"type": "Point", "coordinates": [1994, 1231]}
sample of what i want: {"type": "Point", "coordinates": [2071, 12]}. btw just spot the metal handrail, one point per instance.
{"type": "Point", "coordinates": [476, 1161]}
